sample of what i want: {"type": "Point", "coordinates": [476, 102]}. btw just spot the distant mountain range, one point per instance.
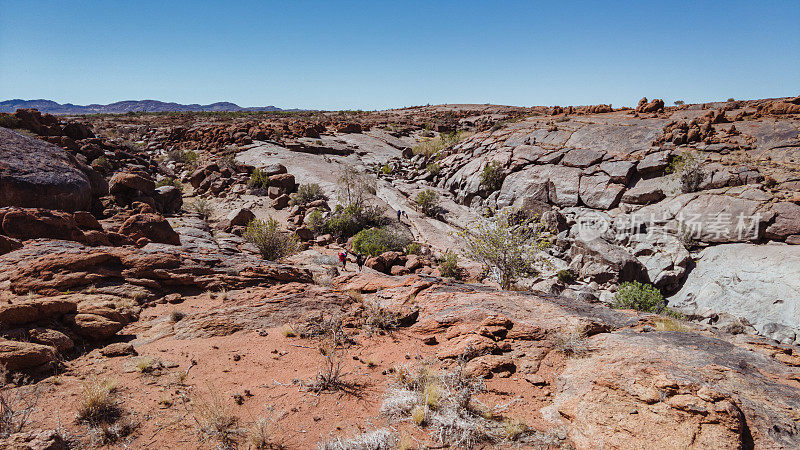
{"type": "Point", "coordinates": [49, 106]}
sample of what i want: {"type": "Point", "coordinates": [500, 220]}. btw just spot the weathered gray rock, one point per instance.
{"type": "Point", "coordinates": [787, 221]}
{"type": "Point", "coordinates": [619, 171]}
{"type": "Point", "coordinates": [597, 192]}
{"type": "Point", "coordinates": [35, 174]}
{"type": "Point", "coordinates": [758, 283]}
{"type": "Point", "coordinates": [645, 192]}
{"type": "Point", "coordinates": [582, 158]}
{"type": "Point", "coordinates": [602, 261]}
{"type": "Point", "coordinates": [654, 162]}
{"type": "Point", "coordinates": [564, 185]}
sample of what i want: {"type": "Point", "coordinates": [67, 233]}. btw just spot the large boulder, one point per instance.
{"type": "Point", "coordinates": [35, 174]}
{"type": "Point", "coordinates": [597, 192]}
{"type": "Point", "coordinates": [151, 226]}
{"type": "Point", "coordinates": [26, 224]}
{"type": "Point", "coordinates": [15, 355]}
{"type": "Point", "coordinates": [759, 283]}
{"type": "Point", "coordinates": [599, 260]}
{"type": "Point", "coordinates": [125, 187]}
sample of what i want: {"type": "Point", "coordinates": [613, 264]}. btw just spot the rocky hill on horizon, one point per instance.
{"type": "Point", "coordinates": [125, 106]}
{"type": "Point", "coordinates": [305, 280]}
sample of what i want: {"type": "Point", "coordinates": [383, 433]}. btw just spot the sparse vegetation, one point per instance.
{"type": "Point", "coordinates": [176, 316]}
{"type": "Point", "coordinates": [96, 404]}
{"type": "Point", "coordinates": [428, 202]}
{"type": "Point", "coordinates": [414, 248]}
{"type": "Point", "coordinates": [492, 176]}
{"type": "Point", "coordinates": [639, 296]}
{"type": "Point", "coordinates": [188, 158]}
{"type": "Point", "coordinates": [259, 180]}
{"type": "Point", "coordinates": [442, 402]}
{"type": "Point", "coordinates": [378, 318]}
{"type": "Point", "coordinates": [10, 121]}
{"type": "Point", "coordinates": [215, 420]}
{"type": "Point", "coordinates": [679, 102]}
{"type": "Point", "coordinates": [688, 170]}
{"type": "Point", "coordinates": [16, 408]}
{"type": "Point", "coordinates": [670, 324]}
{"type": "Point", "coordinates": [260, 436]}
{"type": "Point", "coordinates": [448, 266]}
{"type": "Point", "coordinates": [375, 241]}
{"type": "Point", "coordinates": [434, 169]}
{"type": "Point", "coordinates": [432, 147]}
{"type": "Point", "coordinates": [331, 378]}
{"type": "Point", "coordinates": [380, 439]}
{"type": "Point", "coordinates": [167, 181]}
{"type": "Point", "coordinates": [565, 276]}
{"type": "Point", "coordinates": [272, 243]}
{"type": "Point", "coordinates": [572, 343]}
{"type": "Point", "coordinates": [508, 245]}
{"type": "Point", "coordinates": [307, 193]}
{"type": "Point", "coordinates": [103, 165]}
{"type": "Point", "coordinates": [201, 207]}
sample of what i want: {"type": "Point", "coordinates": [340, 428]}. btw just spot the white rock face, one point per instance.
{"type": "Point", "coordinates": [760, 283]}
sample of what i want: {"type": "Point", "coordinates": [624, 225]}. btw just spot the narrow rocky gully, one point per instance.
{"type": "Point", "coordinates": [138, 311]}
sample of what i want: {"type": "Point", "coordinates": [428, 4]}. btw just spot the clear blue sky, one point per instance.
{"type": "Point", "coordinates": [376, 54]}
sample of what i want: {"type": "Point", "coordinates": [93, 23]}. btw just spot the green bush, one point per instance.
{"type": "Point", "coordinates": [427, 201]}
{"type": "Point", "coordinates": [272, 243]}
{"type": "Point", "coordinates": [167, 181]}
{"type": "Point", "coordinates": [565, 276]}
{"type": "Point", "coordinates": [639, 296]}
{"type": "Point", "coordinates": [315, 222]}
{"type": "Point", "coordinates": [346, 222]}
{"type": "Point", "coordinates": [307, 193]}
{"type": "Point", "coordinates": [414, 248]}
{"type": "Point", "coordinates": [103, 165]}
{"type": "Point", "coordinates": [186, 157]}
{"type": "Point", "coordinates": [258, 179]}
{"type": "Point", "coordinates": [375, 241]}
{"type": "Point", "coordinates": [448, 266]}
{"type": "Point", "coordinates": [492, 176]}
{"type": "Point", "coordinates": [386, 169]}
{"type": "Point", "coordinates": [434, 168]}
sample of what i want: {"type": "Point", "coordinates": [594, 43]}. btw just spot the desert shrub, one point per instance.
{"type": "Point", "coordinates": [16, 408]}
{"type": "Point", "coordinates": [167, 181]}
{"type": "Point", "coordinates": [380, 439]}
{"type": "Point", "coordinates": [227, 162]}
{"type": "Point", "coordinates": [731, 99]}
{"type": "Point", "coordinates": [315, 222]}
{"type": "Point", "coordinates": [260, 436]}
{"type": "Point", "coordinates": [111, 434]}
{"type": "Point", "coordinates": [687, 168]}
{"type": "Point", "coordinates": [189, 158]}
{"type": "Point", "coordinates": [102, 164]}
{"type": "Point", "coordinates": [434, 168]}
{"type": "Point", "coordinates": [508, 245]}
{"type": "Point", "coordinates": [448, 266]}
{"type": "Point", "coordinates": [202, 207]}
{"type": "Point", "coordinates": [355, 188]}
{"type": "Point", "coordinates": [571, 343]}
{"type": "Point", "coordinates": [307, 193]}
{"type": "Point", "coordinates": [272, 243]}
{"type": "Point", "coordinates": [331, 378]}
{"type": "Point", "coordinates": [215, 420]}
{"type": "Point", "coordinates": [346, 222]}
{"type": "Point", "coordinates": [492, 176]}
{"type": "Point", "coordinates": [176, 316]}
{"type": "Point", "coordinates": [386, 169]}
{"type": "Point", "coordinates": [565, 276]}
{"type": "Point", "coordinates": [442, 402]}
{"type": "Point", "coordinates": [679, 102]}
{"type": "Point", "coordinates": [96, 404]}
{"type": "Point", "coordinates": [258, 179]}
{"type": "Point", "coordinates": [428, 202]}
{"type": "Point", "coordinates": [377, 318]}
{"type": "Point", "coordinates": [639, 296]}
{"type": "Point", "coordinates": [414, 248]}
{"type": "Point", "coordinates": [375, 241]}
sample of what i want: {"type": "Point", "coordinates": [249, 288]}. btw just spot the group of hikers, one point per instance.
{"type": "Point", "coordinates": [343, 260]}
{"type": "Point", "coordinates": [359, 257]}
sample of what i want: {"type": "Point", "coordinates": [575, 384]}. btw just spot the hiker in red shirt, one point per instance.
{"type": "Point", "coordinates": [343, 259]}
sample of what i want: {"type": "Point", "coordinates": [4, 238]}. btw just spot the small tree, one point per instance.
{"type": "Point", "coordinates": [508, 244]}
{"type": "Point", "coordinates": [688, 169]}
{"type": "Point", "coordinates": [427, 201]}
{"type": "Point", "coordinates": [272, 243]}
{"type": "Point", "coordinates": [355, 188]}
{"type": "Point", "coordinates": [679, 102]}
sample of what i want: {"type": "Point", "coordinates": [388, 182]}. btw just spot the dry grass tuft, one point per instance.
{"type": "Point", "coordinates": [97, 404]}
{"type": "Point", "coordinates": [670, 324]}
{"type": "Point", "coordinates": [380, 439]}
{"type": "Point", "coordinates": [216, 421]}
{"type": "Point", "coordinates": [572, 343]}
{"type": "Point", "coordinates": [260, 436]}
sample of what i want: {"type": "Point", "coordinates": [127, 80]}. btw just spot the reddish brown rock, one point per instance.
{"type": "Point", "coordinates": [16, 355]}
{"type": "Point", "coordinates": [151, 226]}
{"type": "Point", "coordinates": [40, 223]}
